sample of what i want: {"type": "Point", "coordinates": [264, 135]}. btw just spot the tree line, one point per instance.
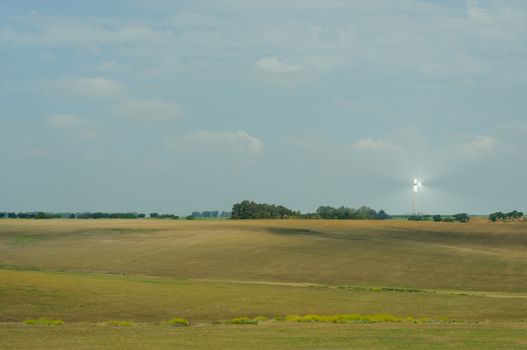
{"type": "Point", "coordinates": [461, 217]}
{"type": "Point", "coordinates": [84, 215]}
{"type": "Point", "coordinates": [106, 215]}
{"type": "Point", "coordinates": [252, 210]}
{"type": "Point", "coordinates": [211, 214]}
{"type": "Point", "coordinates": [345, 213]}
{"type": "Point", "coordinates": [513, 215]}
{"type": "Point", "coordinates": [164, 216]}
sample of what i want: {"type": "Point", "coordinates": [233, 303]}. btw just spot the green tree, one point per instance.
{"type": "Point", "coordinates": [461, 217]}
{"type": "Point", "coordinates": [382, 215]}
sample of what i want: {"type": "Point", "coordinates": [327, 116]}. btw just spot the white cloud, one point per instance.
{"type": "Point", "coordinates": [370, 144]}
{"type": "Point", "coordinates": [65, 32]}
{"type": "Point", "coordinates": [109, 66]}
{"type": "Point", "coordinates": [478, 146]}
{"type": "Point", "coordinates": [228, 142]}
{"type": "Point", "coordinates": [274, 71]}
{"type": "Point", "coordinates": [88, 87]}
{"type": "Point", "coordinates": [393, 34]}
{"type": "Point", "coordinates": [150, 108]}
{"type": "Point", "coordinates": [275, 65]}
{"type": "Point", "coordinates": [75, 126]}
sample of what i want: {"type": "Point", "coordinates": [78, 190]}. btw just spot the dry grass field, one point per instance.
{"type": "Point", "coordinates": [146, 271]}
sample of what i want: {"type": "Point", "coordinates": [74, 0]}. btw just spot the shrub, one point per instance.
{"type": "Point", "coordinates": [293, 318]}
{"type": "Point", "coordinates": [243, 320]}
{"type": "Point", "coordinates": [357, 318]}
{"type": "Point", "coordinates": [45, 321]}
{"type": "Point", "coordinates": [260, 318]}
{"type": "Point", "coordinates": [311, 318]}
{"type": "Point", "coordinates": [177, 322]}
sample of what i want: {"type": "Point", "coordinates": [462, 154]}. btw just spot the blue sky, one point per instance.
{"type": "Point", "coordinates": [175, 106]}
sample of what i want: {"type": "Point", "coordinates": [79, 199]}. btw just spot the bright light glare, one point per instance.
{"type": "Point", "coordinates": [417, 185]}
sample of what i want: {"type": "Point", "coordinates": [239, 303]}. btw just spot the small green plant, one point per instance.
{"type": "Point", "coordinates": [177, 322]}
{"type": "Point", "coordinates": [45, 321]}
{"type": "Point", "coordinates": [22, 240]}
{"type": "Point", "coordinates": [294, 318]}
{"type": "Point", "coordinates": [243, 320]}
{"type": "Point", "coordinates": [358, 318]}
{"type": "Point", "coordinates": [260, 318]}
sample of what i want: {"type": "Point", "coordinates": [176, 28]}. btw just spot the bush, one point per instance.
{"type": "Point", "coordinates": [45, 321]}
{"type": "Point", "coordinates": [177, 322]}
{"type": "Point", "coordinates": [243, 320]}
{"type": "Point", "coordinates": [260, 318]}
{"type": "Point", "coordinates": [357, 318]}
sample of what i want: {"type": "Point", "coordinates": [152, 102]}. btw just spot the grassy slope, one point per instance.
{"type": "Point", "coordinates": [476, 256]}
{"type": "Point", "coordinates": [76, 297]}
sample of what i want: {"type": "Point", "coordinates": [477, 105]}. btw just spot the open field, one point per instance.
{"type": "Point", "coordinates": [273, 336]}
{"type": "Point", "coordinates": [147, 271]}
{"type": "Point", "coordinates": [475, 256]}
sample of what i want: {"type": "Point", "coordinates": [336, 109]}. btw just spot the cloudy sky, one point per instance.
{"type": "Point", "coordinates": [175, 106]}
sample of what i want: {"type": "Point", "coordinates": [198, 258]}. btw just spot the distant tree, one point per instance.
{"type": "Point", "coordinates": [11, 215]}
{"type": "Point", "coordinates": [344, 213]}
{"type": "Point", "coordinates": [436, 218]}
{"type": "Point", "coordinates": [189, 217]}
{"type": "Point", "coordinates": [154, 215]}
{"type": "Point", "coordinates": [513, 215]}
{"type": "Point", "coordinates": [251, 210]}
{"type": "Point", "coordinates": [72, 216]}
{"type": "Point", "coordinates": [141, 215]}
{"type": "Point", "coordinates": [493, 217]}
{"type": "Point", "coordinates": [382, 215]}
{"type": "Point", "coordinates": [41, 215]}
{"type": "Point", "coordinates": [461, 217]}
{"type": "Point", "coordinates": [415, 218]}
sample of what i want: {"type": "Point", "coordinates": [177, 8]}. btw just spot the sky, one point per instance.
{"type": "Point", "coordinates": [176, 106]}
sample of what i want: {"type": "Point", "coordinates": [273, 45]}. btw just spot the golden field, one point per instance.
{"type": "Point", "coordinates": [145, 271]}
